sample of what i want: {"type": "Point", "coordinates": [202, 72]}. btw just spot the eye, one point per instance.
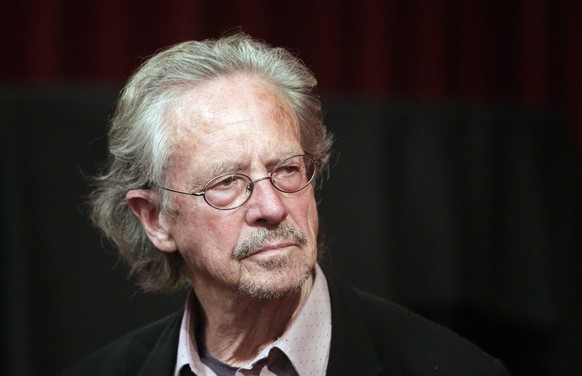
{"type": "Point", "coordinates": [287, 169]}
{"type": "Point", "coordinates": [225, 182]}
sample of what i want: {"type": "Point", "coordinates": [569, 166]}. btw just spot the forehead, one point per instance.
{"type": "Point", "coordinates": [234, 117]}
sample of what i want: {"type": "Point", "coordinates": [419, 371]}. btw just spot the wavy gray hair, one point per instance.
{"type": "Point", "coordinates": [138, 140]}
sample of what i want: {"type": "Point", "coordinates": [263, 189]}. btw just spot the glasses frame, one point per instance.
{"type": "Point", "coordinates": [252, 182]}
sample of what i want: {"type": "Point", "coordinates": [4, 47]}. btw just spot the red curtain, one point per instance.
{"type": "Point", "coordinates": [526, 52]}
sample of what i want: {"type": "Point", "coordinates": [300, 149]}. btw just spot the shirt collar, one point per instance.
{"type": "Point", "coordinates": [305, 342]}
{"type": "Point", "coordinates": [187, 347]}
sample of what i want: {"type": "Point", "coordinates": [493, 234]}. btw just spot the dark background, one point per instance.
{"type": "Point", "coordinates": [455, 187]}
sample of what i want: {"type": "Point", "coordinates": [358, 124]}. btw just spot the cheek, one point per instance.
{"type": "Point", "coordinates": [202, 235]}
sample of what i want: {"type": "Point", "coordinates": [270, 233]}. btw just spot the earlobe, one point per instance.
{"type": "Point", "coordinates": [143, 204]}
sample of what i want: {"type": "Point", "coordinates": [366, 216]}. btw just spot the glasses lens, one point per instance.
{"type": "Point", "coordinates": [293, 174]}
{"type": "Point", "coordinates": [227, 191]}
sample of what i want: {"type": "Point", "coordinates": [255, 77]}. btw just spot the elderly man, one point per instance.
{"type": "Point", "coordinates": [216, 147]}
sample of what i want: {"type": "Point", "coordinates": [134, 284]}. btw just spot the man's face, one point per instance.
{"type": "Point", "coordinates": [239, 124]}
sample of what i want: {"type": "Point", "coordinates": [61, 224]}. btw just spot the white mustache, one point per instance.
{"type": "Point", "coordinates": [262, 236]}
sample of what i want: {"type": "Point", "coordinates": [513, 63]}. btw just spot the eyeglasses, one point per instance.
{"type": "Point", "coordinates": [232, 190]}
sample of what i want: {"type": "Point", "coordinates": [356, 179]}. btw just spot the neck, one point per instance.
{"type": "Point", "coordinates": [237, 329]}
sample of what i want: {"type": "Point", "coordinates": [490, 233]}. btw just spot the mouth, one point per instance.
{"type": "Point", "coordinates": [270, 249]}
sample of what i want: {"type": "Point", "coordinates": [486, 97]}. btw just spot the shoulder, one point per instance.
{"type": "Point", "coordinates": [399, 338]}
{"type": "Point", "coordinates": [128, 354]}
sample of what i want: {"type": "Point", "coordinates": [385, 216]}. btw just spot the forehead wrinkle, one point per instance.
{"type": "Point", "coordinates": [265, 94]}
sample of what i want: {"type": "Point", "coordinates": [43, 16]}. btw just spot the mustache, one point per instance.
{"type": "Point", "coordinates": [262, 236]}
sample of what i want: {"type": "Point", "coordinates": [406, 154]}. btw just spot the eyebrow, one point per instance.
{"type": "Point", "coordinates": [221, 168]}
{"type": "Point", "coordinates": [226, 167]}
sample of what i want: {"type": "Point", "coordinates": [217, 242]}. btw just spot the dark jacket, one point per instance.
{"type": "Point", "coordinates": [370, 336]}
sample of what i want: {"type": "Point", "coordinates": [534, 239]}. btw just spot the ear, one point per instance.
{"type": "Point", "coordinates": [155, 223]}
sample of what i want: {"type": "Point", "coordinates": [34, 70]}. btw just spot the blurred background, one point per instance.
{"type": "Point", "coordinates": [455, 188]}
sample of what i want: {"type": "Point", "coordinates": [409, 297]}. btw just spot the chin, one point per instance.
{"type": "Point", "coordinates": [274, 279]}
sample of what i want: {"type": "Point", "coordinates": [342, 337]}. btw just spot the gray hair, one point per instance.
{"type": "Point", "coordinates": [139, 146]}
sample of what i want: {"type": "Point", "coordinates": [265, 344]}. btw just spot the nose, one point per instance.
{"type": "Point", "coordinates": [265, 206]}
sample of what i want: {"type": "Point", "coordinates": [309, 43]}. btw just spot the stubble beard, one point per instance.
{"type": "Point", "coordinates": [276, 277]}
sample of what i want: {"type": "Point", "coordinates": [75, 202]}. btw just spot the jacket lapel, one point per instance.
{"type": "Point", "coordinates": [352, 351]}
{"type": "Point", "coordinates": [162, 359]}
